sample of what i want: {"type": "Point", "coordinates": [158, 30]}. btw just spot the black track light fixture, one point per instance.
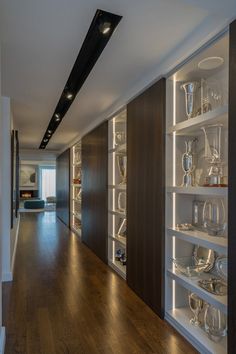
{"type": "Point", "coordinates": [100, 31]}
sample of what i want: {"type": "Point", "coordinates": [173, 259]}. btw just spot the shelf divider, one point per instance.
{"type": "Point", "coordinates": [191, 284]}
{"type": "Point", "coordinates": [211, 191]}
{"type": "Point", "coordinates": [218, 244]}
{"type": "Point", "coordinates": [189, 126]}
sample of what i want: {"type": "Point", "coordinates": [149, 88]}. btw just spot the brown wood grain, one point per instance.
{"type": "Point", "coordinates": [146, 195]}
{"type": "Point", "coordinates": [63, 187]}
{"type": "Point", "coordinates": [94, 190]}
{"type": "Point", "coordinates": [65, 300]}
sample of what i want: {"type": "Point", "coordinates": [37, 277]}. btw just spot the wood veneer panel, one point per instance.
{"type": "Point", "coordinates": [63, 187]}
{"type": "Point", "coordinates": [232, 194]}
{"type": "Point", "coordinates": [94, 190]}
{"type": "Point", "coordinates": [146, 195]}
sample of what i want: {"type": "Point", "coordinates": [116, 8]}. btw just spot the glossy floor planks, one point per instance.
{"type": "Point", "coordinates": [64, 300]}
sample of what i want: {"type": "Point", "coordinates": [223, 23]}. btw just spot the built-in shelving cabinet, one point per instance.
{"type": "Point", "coordinates": [117, 178]}
{"type": "Point", "coordinates": [196, 237]}
{"type": "Point", "coordinates": [76, 189]}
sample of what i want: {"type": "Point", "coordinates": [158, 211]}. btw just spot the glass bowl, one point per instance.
{"type": "Point", "coordinates": [189, 266]}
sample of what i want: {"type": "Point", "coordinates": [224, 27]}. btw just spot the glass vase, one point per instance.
{"type": "Point", "coordinates": [214, 217]}
{"type": "Point", "coordinates": [215, 323]}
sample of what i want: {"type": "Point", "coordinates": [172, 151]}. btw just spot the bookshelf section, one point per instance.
{"type": "Point", "coordinates": [76, 189]}
{"type": "Point", "coordinates": [197, 199]}
{"type": "Point", "coordinates": [117, 181]}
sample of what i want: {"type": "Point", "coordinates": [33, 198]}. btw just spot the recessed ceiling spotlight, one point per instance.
{"type": "Point", "coordinates": [99, 33]}
{"type": "Point", "coordinates": [210, 63]}
{"type": "Point", "coordinates": [105, 27]}
{"type": "Point", "coordinates": [57, 116]}
{"type": "Point", "coordinates": [69, 95]}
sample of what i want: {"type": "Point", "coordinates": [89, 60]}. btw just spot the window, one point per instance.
{"type": "Point", "coordinates": [48, 182]}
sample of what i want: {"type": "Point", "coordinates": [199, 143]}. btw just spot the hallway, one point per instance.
{"type": "Point", "coordinates": [64, 300]}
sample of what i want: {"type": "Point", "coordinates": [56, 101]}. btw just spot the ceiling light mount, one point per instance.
{"type": "Point", "coordinates": [100, 31]}
{"type": "Point", "coordinates": [69, 95]}
{"type": "Point", "coordinates": [105, 27]}
{"type": "Point", "coordinates": [210, 63]}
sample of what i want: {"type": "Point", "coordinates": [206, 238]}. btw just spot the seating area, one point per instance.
{"type": "Point", "coordinates": [34, 204]}
{"type": "Point", "coordinates": [38, 205]}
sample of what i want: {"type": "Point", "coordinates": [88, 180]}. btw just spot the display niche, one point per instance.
{"type": "Point", "coordinates": [76, 189]}
{"type": "Point", "coordinates": [117, 178]}
{"type": "Point", "coordinates": [196, 198]}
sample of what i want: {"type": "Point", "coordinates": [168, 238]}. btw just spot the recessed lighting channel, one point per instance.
{"type": "Point", "coordinates": [100, 31]}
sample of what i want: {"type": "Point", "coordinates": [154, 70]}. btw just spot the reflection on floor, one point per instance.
{"type": "Point", "coordinates": [64, 300]}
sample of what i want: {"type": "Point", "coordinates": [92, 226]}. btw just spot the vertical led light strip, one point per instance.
{"type": "Point", "coordinates": [113, 190]}
{"type": "Point", "coordinates": [174, 184]}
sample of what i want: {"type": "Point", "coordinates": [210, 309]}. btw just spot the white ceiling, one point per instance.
{"type": "Point", "coordinates": [40, 41]}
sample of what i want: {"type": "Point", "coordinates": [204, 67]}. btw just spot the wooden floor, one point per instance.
{"type": "Point", "coordinates": [64, 300]}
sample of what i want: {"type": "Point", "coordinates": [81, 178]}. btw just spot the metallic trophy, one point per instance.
{"type": "Point", "coordinates": [122, 202]}
{"type": "Point", "coordinates": [196, 306]}
{"type": "Point", "coordinates": [188, 164]}
{"type": "Point", "coordinates": [190, 89]}
{"type": "Point", "coordinates": [122, 165]}
{"type": "Point", "coordinates": [122, 228]}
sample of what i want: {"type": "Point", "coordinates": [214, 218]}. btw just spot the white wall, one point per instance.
{"type": "Point", "coordinates": [9, 236]}
{"type": "Point", "coordinates": [2, 329]}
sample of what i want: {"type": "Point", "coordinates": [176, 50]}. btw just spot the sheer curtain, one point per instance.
{"type": "Point", "coordinates": [48, 183]}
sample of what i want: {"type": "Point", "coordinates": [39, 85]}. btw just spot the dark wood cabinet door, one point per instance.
{"type": "Point", "coordinates": [94, 190]}
{"type": "Point", "coordinates": [232, 195]}
{"type": "Point", "coordinates": [146, 195]}
{"type": "Point", "coordinates": [63, 187]}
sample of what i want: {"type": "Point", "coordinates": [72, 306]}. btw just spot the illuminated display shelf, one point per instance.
{"type": "Point", "coordinates": [179, 318]}
{"type": "Point", "coordinates": [191, 284]}
{"type": "Point", "coordinates": [76, 200]}
{"type": "Point", "coordinates": [118, 213]}
{"type": "Point", "coordinates": [190, 126]}
{"type": "Point", "coordinates": [118, 267]}
{"type": "Point", "coordinates": [77, 215]}
{"type": "Point", "coordinates": [218, 244]}
{"type": "Point", "coordinates": [211, 191]}
{"type": "Point", "coordinates": [116, 218]}
{"type": "Point", "coordinates": [118, 149]}
{"type": "Point", "coordinates": [179, 200]}
{"type": "Point", "coordinates": [117, 186]}
{"type": "Point", "coordinates": [75, 204]}
{"type": "Point", "coordinates": [117, 239]}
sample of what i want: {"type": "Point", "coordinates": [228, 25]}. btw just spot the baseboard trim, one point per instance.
{"type": "Point", "coordinates": [15, 246]}
{"type": "Point", "coordinates": [2, 340]}
{"type": "Point", "coordinates": [8, 276]}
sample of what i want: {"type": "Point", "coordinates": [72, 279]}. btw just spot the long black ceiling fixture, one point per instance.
{"type": "Point", "coordinates": [100, 31]}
